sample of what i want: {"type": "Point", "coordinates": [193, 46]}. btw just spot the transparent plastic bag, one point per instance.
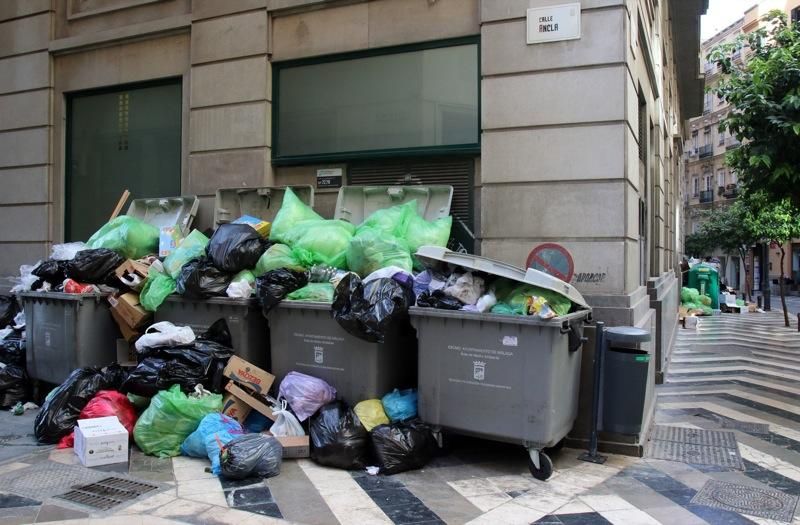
{"type": "Point", "coordinates": [315, 292]}
{"type": "Point", "coordinates": [400, 405]}
{"type": "Point", "coordinates": [321, 242]}
{"type": "Point", "coordinates": [393, 220]}
{"type": "Point", "coordinates": [305, 394]}
{"type": "Point", "coordinates": [191, 248]}
{"type": "Point", "coordinates": [276, 257]}
{"type": "Point", "coordinates": [157, 287]}
{"type": "Point", "coordinates": [66, 251]}
{"type": "Point", "coordinates": [372, 249]}
{"type": "Point", "coordinates": [286, 424]}
{"type": "Point", "coordinates": [293, 212]}
{"type": "Point", "coordinates": [128, 236]}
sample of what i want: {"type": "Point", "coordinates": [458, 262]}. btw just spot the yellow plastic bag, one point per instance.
{"type": "Point", "coordinates": [371, 413]}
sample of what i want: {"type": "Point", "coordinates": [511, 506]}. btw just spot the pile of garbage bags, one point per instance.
{"type": "Point", "coordinates": [14, 382]}
{"type": "Point", "coordinates": [695, 303]}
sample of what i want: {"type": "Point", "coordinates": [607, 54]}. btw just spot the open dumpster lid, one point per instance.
{"type": "Point", "coordinates": [166, 211]}
{"type": "Point", "coordinates": [356, 203]}
{"type": "Point", "coordinates": [501, 269]}
{"type": "Point", "coordinates": [261, 202]}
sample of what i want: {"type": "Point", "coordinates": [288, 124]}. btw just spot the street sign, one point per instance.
{"type": "Point", "coordinates": [553, 259]}
{"type": "Point", "coordinates": [553, 23]}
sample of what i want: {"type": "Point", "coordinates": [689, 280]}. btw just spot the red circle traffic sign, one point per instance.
{"type": "Point", "coordinates": [553, 259]}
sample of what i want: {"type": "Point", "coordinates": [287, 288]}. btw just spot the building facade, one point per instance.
{"type": "Point", "coordinates": [709, 184]}
{"type": "Point", "coordinates": [576, 142]}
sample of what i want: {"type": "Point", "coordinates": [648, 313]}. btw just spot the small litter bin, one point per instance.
{"type": "Point", "coordinates": [67, 331]}
{"type": "Point", "coordinates": [304, 336]}
{"type": "Point", "coordinates": [249, 330]}
{"type": "Point", "coordinates": [624, 387]}
{"type": "Point", "coordinates": [501, 377]}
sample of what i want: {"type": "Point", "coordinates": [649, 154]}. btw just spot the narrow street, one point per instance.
{"type": "Point", "coordinates": [735, 374]}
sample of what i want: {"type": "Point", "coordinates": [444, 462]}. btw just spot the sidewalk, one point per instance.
{"type": "Point", "coordinates": [736, 373]}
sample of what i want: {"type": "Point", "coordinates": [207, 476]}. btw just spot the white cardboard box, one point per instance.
{"type": "Point", "coordinates": [101, 441]}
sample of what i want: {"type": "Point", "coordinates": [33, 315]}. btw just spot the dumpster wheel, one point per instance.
{"type": "Point", "coordinates": [540, 464]}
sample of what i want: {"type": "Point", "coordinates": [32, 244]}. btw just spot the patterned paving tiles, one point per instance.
{"type": "Point", "coordinates": [771, 504]}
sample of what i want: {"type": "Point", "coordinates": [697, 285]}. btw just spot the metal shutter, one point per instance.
{"type": "Point", "coordinates": [458, 173]}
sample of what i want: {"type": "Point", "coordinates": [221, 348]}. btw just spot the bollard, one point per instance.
{"type": "Point", "coordinates": [798, 321]}
{"type": "Point", "coordinates": [599, 347]}
{"type": "Point", "coordinates": [759, 301]}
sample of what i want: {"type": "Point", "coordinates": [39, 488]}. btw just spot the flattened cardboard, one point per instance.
{"type": "Point", "coordinates": [256, 404]}
{"type": "Point", "coordinates": [294, 447]}
{"type": "Point", "coordinates": [248, 375]}
{"type": "Point", "coordinates": [235, 408]}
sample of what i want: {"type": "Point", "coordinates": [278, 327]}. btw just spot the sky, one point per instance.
{"type": "Point", "coordinates": [721, 14]}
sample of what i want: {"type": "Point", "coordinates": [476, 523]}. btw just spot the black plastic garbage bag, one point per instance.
{"type": "Point", "coordinates": [8, 309]}
{"type": "Point", "coordinates": [338, 439]}
{"type": "Point", "coordinates": [12, 375]}
{"type": "Point", "coordinates": [50, 271]}
{"type": "Point", "coordinates": [201, 362]}
{"type": "Point", "coordinates": [251, 455]}
{"type": "Point", "coordinates": [235, 247]}
{"type": "Point", "coordinates": [402, 446]}
{"type": "Point", "coordinates": [200, 279]}
{"type": "Point", "coordinates": [369, 311]}
{"type": "Point", "coordinates": [95, 266]}
{"type": "Point", "coordinates": [273, 286]}
{"type": "Point", "coordinates": [60, 411]}
{"type": "Point", "coordinates": [438, 299]}
{"type": "Point", "coordinates": [12, 351]}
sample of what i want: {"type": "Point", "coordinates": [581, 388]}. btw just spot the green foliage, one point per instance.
{"type": "Point", "coordinates": [777, 222]}
{"type": "Point", "coordinates": [764, 94]}
{"type": "Point", "coordinates": [698, 244]}
{"type": "Point", "coordinates": [725, 228]}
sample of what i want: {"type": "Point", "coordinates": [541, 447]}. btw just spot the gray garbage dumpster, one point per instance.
{"type": "Point", "coordinates": [249, 329]}
{"type": "Point", "coordinates": [305, 338]}
{"type": "Point", "coordinates": [507, 378]}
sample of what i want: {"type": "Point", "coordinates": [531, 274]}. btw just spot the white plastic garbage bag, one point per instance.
{"type": "Point", "coordinates": [467, 288]}
{"type": "Point", "coordinates": [66, 251]}
{"type": "Point", "coordinates": [165, 334]}
{"type": "Point", "coordinates": [26, 278]}
{"type": "Point", "coordinates": [286, 424]}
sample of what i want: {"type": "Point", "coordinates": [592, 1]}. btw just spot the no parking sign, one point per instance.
{"type": "Point", "coordinates": [552, 259]}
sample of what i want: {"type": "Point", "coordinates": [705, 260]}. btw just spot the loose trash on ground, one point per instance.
{"type": "Point", "coordinates": [403, 446]}
{"type": "Point", "coordinates": [101, 441]}
{"type": "Point", "coordinates": [214, 431]}
{"type": "Point", "coordinates": [305, 394]}
{"type": "Point", "coordinates": [106, 403]}
{"type": "Point", "coordinates": [338, 439]}
{"type": "Point", "coordinates": [251, 455]}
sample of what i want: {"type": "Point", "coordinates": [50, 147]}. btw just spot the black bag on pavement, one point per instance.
{"type": "Point", "coordinates": [338, 439]}
{"type": "Point", "coordinates": [200, 279]}
{"type": "Point", "coordinates": [12, 351]}
{"type": "Point", "coordinates": [53, 272]}
{"type": "Point", "coordinates": [201, 362]}
{"type": "Point", "coordinates": [368, 311]}
{"type": "Point", "coordinates": [402, 446]}
{"type": "Point", "coordinates": [8, 310]}
{"type": "Point", "coordinates": [251, 455]}
{"type": "Point", "coordinates": [94, 266]}
{"type": "Point", "coordinates": [235, 247]}
{"type": "Point", "coordinates": [438, 299]}
{"type": "Point", "coordinates": [60, 411]}
{"type": "Point", "coordinates": [273, 286]}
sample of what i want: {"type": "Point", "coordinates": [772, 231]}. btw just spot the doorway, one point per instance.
{"type": "Point", "coordinates": [126, 137]}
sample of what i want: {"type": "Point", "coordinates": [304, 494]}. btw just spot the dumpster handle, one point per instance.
{"type": "Point", "coordinates": [575, 339]}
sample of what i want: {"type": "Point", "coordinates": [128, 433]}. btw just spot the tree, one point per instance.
{"type": "Point", "coordinates": [727, 229]}
{"type": "Point", "coordinates": [764, 96]}
{"type": "Point", "coordinates": [777, 223]}
{"type": "Point", "coordinates": [699, 244]}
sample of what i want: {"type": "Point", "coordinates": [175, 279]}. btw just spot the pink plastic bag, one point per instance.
{"type": "Point", "coordinates": [305, 394]}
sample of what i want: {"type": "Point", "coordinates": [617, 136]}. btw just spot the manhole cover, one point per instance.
{"type": "Point", "coordinates": [765, 503]}
{"type": "Point", "coordinates": [697, 454]}
{"type": "Point", "coordinates": [695, 436]}
{"type": "Point", "coordinates": [107, 493]}
{"type": "Point", "coordinates": [745, 426]}
{"type": "Point", "coordinates": [47, 479]}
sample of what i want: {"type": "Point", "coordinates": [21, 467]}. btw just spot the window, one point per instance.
{"type": "Point", "coordinates": [642, 128]}
{"type": "Point", "coordinates": [694, 139]}
{"type": "Point", "coordinates": [734, 179]}
{"type": "Point", "coordinates": [419, 98]}
{"type": "Point", "coordinates": [695, 186]}
{"type": "Point", "coordinates": [721, 178]}
{"type": "Point", "coordinates": [795, 15]}
{"type": "Point", "coordinates": [721, 137]}
{"type": "Point", "coordinates": [707, 181]}
{"type": "Point", "coordinates": [707, 135]}
{"type": "Point", "coordinates": [708, 104]}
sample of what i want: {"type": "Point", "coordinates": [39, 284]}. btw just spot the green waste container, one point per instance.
{"type": "Point", "coordinates": [705, 278]}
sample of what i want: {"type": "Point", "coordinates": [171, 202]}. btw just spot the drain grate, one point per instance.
{"type": "Point", "coordinates": [107, 493]}
{"type": "Point", "coordinates": [755, 501]}
{"type": "Point", "coordinates": [46, 479]}
{"type": "Point", "coordinates": [696, 454]}
{"type": "Point", "coordinates": [695, 436]}
{"type": "Point", "coordinates": [745, 426]}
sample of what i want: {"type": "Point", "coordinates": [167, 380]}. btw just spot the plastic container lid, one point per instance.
{"type": "Point", "coordinates": [263, 202]}
{"type": "Point", "coordinates": [501, 269]}
{"type": "Point", "coordinates": [356, 203]}
{"type": "Point", "coordinates": [166, 211]}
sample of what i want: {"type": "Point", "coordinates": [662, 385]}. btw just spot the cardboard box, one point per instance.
{"type": "Point", "coordinates": [169, 238]}
{"type": "Point", "coordinates": [235, 408]}
{"type": "Point", "coordinates": [128, 308]}
{"type": "Point", "coordinates": [130, 267]}
{"type": "Point", "coordinates": [261, 226]}
{"type": "Point", "coordinates": [128, 334]}
{"type": "Point", "coordinates": [256, 404]}
{"type": "Point", "coordinates": [101, 441]}
{"type": "Point", "coordinates": [248, 375]}
{"type": "Point", "coordinates": [295, 447]}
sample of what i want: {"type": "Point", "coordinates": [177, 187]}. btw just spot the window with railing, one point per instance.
{"type": "Point", "coordinates": [706, 196]}
{"type": "Point", "coordinates": [706, 151]}
{"type": "Point", "coordinates": [695, 186]}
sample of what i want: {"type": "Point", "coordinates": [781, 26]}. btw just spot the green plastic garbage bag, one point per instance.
{"type": "Point", "coordinates": [705, 300]}
{"type": "Point", "coordinates": [690, 295]}
{"type": "Point", "coordinates": [503, 309]}
{"type": "Point", "coordinates": [170, 418]}
{"type": "Point", "coordinates": [393, 220]}
{"type": "Point", "coordinates": [190, 248]}
{"type": "Point", "coordinates": [707, 310]}
{"type": "Point", "coordinates": [318, 292]}
{"type": "Point", "coordinates": [739, 302]}
{"type": "Point", "coordinates": [372, 249]}
{"type": "Point", "coordinates": [277, 256]}
{"type": "Point", "coordinates": [128, 236]}
{"type": "Point", "coordinates": [427, 233]}
{"type": "Point", "coordinates": [321, 242]}
{"type": "Point", "coordinates": [293, 211]}
{"type": "Point", "coordinates": [517, 299]}
{"type": "Point", "coordinates": [156, 288]}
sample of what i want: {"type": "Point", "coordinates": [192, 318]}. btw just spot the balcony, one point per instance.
{"type": "Point", "coordinates": [706, 151]}
{"type": "Point", "coordinates": [732, 143]}
{"type": "Point", "coordinates": [731, 191]}
{"type": "Point", "coordinates": [706, 196]}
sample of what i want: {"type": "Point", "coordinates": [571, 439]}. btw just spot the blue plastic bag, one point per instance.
{"type": "Point", "coordinates": [215, 430]}
{"type": "Point", "coordinates": [256, 422]}
{"type": "Point", "coordinates": [400, 405]}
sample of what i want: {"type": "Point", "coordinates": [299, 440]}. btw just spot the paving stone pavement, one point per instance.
{"type": "Point", "coordinates": [733, 369]}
